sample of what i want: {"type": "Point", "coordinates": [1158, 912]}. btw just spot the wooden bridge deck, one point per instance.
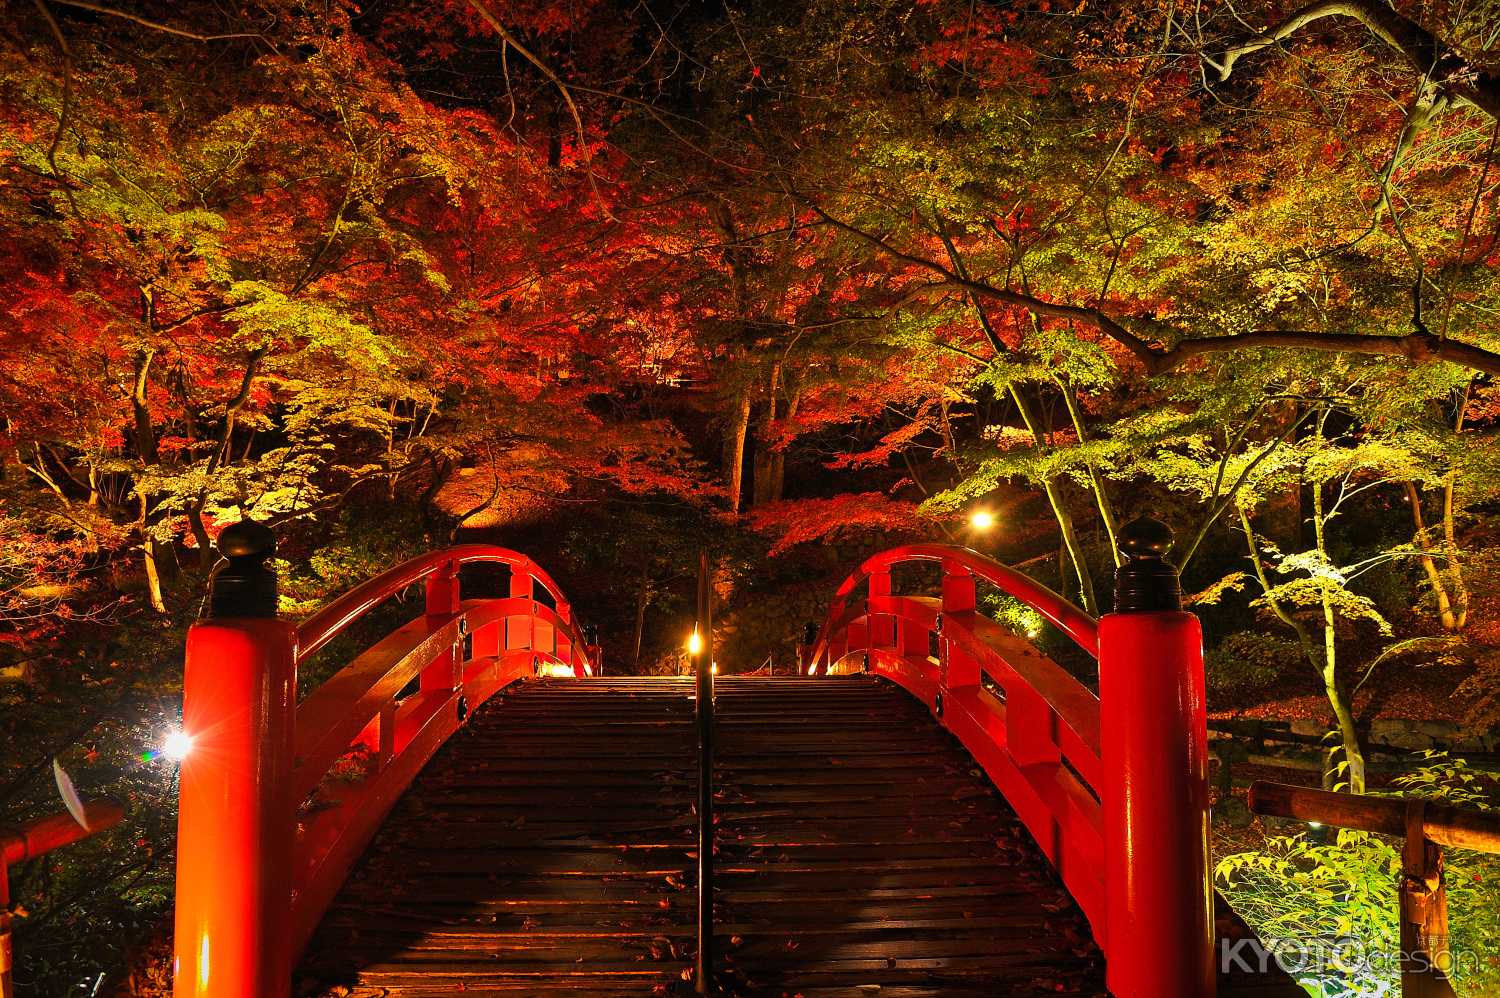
{"type": "Point", "coordinates": [548, 849]}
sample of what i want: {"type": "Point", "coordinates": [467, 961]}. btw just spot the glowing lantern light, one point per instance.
{"type": "Point", "coordinates": [695, 643]}
{"type": "Point", "coordinates": [981, 519]}
{"type": "Point", "coordinates": [177, 745]}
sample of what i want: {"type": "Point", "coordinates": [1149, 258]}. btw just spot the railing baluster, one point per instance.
{"type": "Point", "coordinates": [882, 625]}
{"type": "Point", "coordinates": [386, 746]}
{"type": "Point", "coordinates": [958, 588]}
{"type": "Point", "coordinates": [518, 632]}
{"type": "Point", "coordinates": [1030, 727]}
{"type": "Point", "coordinates": [488, 640]}
{"type": "Point", "coordinates": [443, 601]}
{"type": "Point", "coordinates": [562, 647]}
{"type": "Point", "coordinates": [914, 638]}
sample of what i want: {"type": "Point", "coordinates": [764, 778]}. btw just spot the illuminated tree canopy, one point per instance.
{"type": "Point", "coordinates": [785, 280]}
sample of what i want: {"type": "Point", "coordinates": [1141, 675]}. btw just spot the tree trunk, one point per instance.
{"type": "Point", "coordinates": [200, 537]}
{"type": "Point", "coordinates": [734, 450]}
{"type": "Point", "coordinates": [764, 463]}
{"type": "Point", "coordinates": [149, 555]}
{"type": "Point", "coordinates": [1454, 569]}
{"type": "Point", "coordinates": [1338, 698]}
{"type": "Point", "coordinates": [1429, 567]}
{"type": "Point", "coordinates": [1051, 485]}
{"type": "Point", "coordinates": [642, 600]}
{"type": "Point", "coordinates": [145, 432]}
{"type": "Point", "coordinates": [1096, 478]}
{"type": "Point", "coordinates": [778, 458]}
{"type": "Point", "coordinates": [442, 470]}
{"type": "Point", "coordinates": [1343, 711]}
{"type": "Point", "coordinates": [146, 450]}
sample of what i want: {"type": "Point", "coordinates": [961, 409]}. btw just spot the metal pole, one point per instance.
{"type": "Point", "coordinates": [704, 674]}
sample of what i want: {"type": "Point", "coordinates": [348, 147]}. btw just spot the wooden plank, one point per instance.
{"type": "Point", "coordinates": [548, 850]}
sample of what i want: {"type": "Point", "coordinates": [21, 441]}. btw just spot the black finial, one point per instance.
{"type": "Point", "coordinates": [246, 586]}
{"type": "Point", "coordinates": [1147, 581]}
{"type": "Point", "coordinates": [591, 634]}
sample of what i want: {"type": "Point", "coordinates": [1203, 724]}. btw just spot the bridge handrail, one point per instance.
{"type": "Point", "coordinates": [257, 868]}
{"type": "Point", "coordinates": [327, 623]}
{"type": "Point", "coordinates": [1075, 623]}
{"type": "Point", "coordinates": [37, 838]}
{"type": "Point", "coordinates": [1033, 728]}
{"type": "Point", "coordinates": [1113, 787]}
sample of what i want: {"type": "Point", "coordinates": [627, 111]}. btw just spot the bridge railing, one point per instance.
{"type": "Point", "coordinates": [35, 839]}
{"type": "Point", "coordinates": [278, 799]}
{"type": "Point", "coordinates": [1114, 787]}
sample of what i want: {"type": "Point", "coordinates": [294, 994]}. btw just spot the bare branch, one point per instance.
{"type": "Point", "coordinates": [156, 25]}
{"type": "Point", "coordinates": [562, 88]}
{"type": "Point", "coordinates": [1451, 73]}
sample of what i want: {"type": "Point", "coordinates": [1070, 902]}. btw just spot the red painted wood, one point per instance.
{"type": "Point", "coordinates": [1073, 622]}
{"type": "Point", "coordinates": [253, 880]}
{"type": "Point", "coordinates": [1113, 788]}
{"type": "Point", "coordinates": [331, 621]}
{"type": "Point", "coordinates": [1153, 726]}
{"type": "Point", "coordinates": [235, 817]}
{"type": "Point", "coordinates": [442, 599]}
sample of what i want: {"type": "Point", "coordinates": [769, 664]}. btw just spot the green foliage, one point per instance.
{"type": "Point", "coordinates": [1343, 893]}
{"type": "Point", "coordinates": [1248, 662]}
{"type": "Point", "coordinates": [1005, 609]}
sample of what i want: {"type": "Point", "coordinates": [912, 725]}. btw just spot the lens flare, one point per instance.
{"type": "Point", "coordinates": [177, 745]}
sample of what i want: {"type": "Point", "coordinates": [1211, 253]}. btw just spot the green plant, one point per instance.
{"type": "Point", "coordinates": [1248, 662]}
{"type": "Point", "coordinates": [1336, 902]}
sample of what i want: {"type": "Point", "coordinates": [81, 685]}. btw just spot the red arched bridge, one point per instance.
{"type": "Point", "coordinates": [933, 807]}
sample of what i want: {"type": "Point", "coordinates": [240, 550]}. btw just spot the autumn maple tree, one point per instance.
{"type": "Point", "coordinates": [789, 282]}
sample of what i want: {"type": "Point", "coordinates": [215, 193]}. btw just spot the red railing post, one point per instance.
{"type": "Point", "coordinates": [519, 633]}
{"type": "Point", "coordinates": [1154, 749]}
{"type": "Point", "coordinates": [960, 667]}
{"type": "Point", "coordinates": [488, 640]}
{"type": "Point", "coordinates": [236, 821]}
{"type": "Point", "coordinates": [882, 622]}
{"type": "Point", "coordinates": [443, 602]}
{"type": "Point", "coordinates": [562, 645]}
{"type": "Point", "coordinates": [913, 638]}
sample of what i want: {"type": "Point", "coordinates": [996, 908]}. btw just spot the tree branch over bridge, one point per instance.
{"type": "Point", "coordinates": [1416, 347]}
